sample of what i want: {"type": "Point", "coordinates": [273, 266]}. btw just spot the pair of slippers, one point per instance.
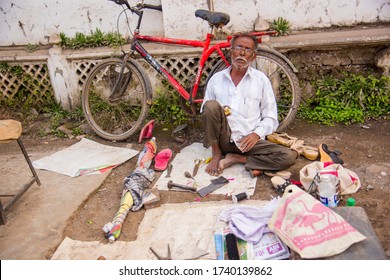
{"type": "Point", "coordinates": [162, 159]}
{"type": "Point", "coordinates": [311, 153]}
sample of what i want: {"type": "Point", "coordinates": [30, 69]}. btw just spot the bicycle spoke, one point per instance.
{"type": "Point", "coordinates": [114, 101]}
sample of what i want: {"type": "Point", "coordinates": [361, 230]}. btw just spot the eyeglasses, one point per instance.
{"type": "Point", "coordinates": [241, 48]}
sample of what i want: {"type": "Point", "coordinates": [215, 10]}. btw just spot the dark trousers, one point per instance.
{"type": "Point", "coordinates": [264, 155]}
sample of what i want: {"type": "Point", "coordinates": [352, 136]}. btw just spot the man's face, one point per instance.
{"type": "Point", "coordinates": [242, 52]}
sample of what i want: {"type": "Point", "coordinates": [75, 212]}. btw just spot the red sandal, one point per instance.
{"type": "Point", "coordinates": [146, 131]}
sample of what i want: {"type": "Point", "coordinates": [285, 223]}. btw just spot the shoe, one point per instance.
{"type": "Point", "coordinates": [282, 139]}
{"type": "Point", "coordinates": [161, 160]}
{"type": "Point", "coordinates": [255, 173]}
{"type": "Point", "coordinates": [329, 156]}
{"type": "Point", "coordinates": [310, 153]}
{"type": "Point", "coordinates": [297, 146]}
{"type": "Point", "coordinates": [335, 156]}
{"type": "Point", "coordinates": [146, 131]}
{"type": "Point", "coordinates": [281, 173]}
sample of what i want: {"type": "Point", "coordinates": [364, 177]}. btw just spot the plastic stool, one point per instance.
{"type": "Point", "coordinates": [11, 130]}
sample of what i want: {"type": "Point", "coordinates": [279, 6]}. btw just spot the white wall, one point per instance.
{"type": "Point", "coordinates": [244, 14]}
{"type": "Point", "coordinates": [35, 21]}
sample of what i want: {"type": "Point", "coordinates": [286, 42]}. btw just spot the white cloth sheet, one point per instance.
{"type": "Point", "coordinates": [85, 157]}
{"type": "Point", "coordinates": [239, 179]}
{"type": "Point", "coordinates": [188, 228]}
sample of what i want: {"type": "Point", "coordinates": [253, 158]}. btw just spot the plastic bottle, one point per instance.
{"type": "Point", "coordinates": [351, 201]}
{"type": "Point", "coordinates": [327, 189]}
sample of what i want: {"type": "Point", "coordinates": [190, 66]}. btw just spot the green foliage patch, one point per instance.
{"type": "Point", "coordinates": [95, 39]}
{"type": "Point", "coordinates": [352, 99]}
{"type": "Point", "coordinates": [26, 96]}
{"type": "Point", "coordinates": [166, 107]}
{"type": "Point", "coordinates": [281, 25]}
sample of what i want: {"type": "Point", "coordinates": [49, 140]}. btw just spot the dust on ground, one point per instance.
{"type": "Point", "coordinates": [365, 150]}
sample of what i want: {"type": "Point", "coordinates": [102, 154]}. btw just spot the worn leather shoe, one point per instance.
{"type": "Point", "coordinates": [327, 155]}
{"type": "Point", "coordinates": [310, 153]}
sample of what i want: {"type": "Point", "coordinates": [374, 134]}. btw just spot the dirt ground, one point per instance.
{"type": "Point", "coordinates": [365, 150]}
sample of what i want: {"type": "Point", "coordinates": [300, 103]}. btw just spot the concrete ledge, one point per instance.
{"type": "Point", "coordinates": [332, 39]}
{"type": "Point", "coordinates": [303, 40]}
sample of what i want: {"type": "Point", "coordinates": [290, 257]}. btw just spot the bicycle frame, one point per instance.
{"type": "Point", "coordinates": [208, 49]}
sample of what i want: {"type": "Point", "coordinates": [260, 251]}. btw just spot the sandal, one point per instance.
{"type": "Point", "coordinates": [146, 131]}
{"type": "Point", "coordinates": [310, 153]}
{"type": "Point", "coordinates": [161, 160]}
{"type": "Point", "coordinates": [329, 156]}
{"type": "Point", "coordinates": [285, 174]}
{"type": "Point", "coordinates": [280, 184]}
{"type": "Point", "coordinates": [295, 144]}
{"type": "Point", "coordinates": [282, 139]}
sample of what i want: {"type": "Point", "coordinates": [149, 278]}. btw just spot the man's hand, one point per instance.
{"type": "Point", "coordinates": [248, 142]}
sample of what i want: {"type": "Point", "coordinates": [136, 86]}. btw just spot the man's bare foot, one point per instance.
{"type": "Point", "coordinates": [213, 167]}
{"type": "Point", "coordinates": [229, 160]}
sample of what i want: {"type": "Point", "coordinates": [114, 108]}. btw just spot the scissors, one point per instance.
{"type": "Point", "coordinates": [198, 162]}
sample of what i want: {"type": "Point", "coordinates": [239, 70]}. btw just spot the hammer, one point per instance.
{"type": "Point", "coordinates": [171, 185]}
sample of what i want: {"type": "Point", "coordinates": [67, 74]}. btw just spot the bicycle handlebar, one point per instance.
{"type": "Point", "coordinates": [139, 6]}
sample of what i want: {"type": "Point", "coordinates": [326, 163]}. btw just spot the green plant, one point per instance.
{"type": "Point", "coordinates": [57, 114]}
{"type": "Point", "coordinates": [96, 39]}
{"type": "Point", "coordinates": [76, 114]}
{"type": "Point", "coordinates": [352, 99]}
{"type": "Point", "coordinates": [77, 131]}
{"type": "Point", "coordinates": [32, 47]}
{"type": "Point", "coordinates": [281, 25]}
{"type": "Point", "coordinates": [25, 98]}
{"type": "Point", "coordinates": [166, 107]}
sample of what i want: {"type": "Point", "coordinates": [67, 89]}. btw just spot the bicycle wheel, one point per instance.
{"type": "Point", "coordinates": [116, 115]}
{"type": "Point", "coordinates": [283, 80]}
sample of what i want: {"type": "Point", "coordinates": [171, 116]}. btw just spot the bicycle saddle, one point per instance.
{"type": "Point", "coordinates": [214, 18]}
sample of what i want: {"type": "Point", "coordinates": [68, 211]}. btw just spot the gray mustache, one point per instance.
{"type": "Point", "coordinates": [241, 57]}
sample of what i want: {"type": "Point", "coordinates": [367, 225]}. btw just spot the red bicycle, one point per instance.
{"type": "Point", "coordinates": [117, 93]}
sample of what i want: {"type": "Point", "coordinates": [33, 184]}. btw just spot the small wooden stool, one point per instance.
{"type": "Point", "coordinates": [11, 130]}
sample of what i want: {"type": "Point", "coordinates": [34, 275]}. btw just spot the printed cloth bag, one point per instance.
{"type": "Point", "coordinates": [349, 180]}
{"type": "Point", "coordinates": [310, 228]}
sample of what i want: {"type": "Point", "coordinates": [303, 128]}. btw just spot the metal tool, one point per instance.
{"type": "Point", "coordinates": [169, 170]}
{"type": "Point", "coordinates": [171, 185]}
{"type": "Point", "coordinates": [198, 162]}
{"type": "Point", "coordinates": [168, 257]}
{"type": "Point", "coordinates": [180, 134]}
{"type": "Point", "coordinates": [188, 175]}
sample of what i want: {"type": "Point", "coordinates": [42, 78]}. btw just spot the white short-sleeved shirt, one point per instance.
{"type": "Point", "coordinates": [252, 102]}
